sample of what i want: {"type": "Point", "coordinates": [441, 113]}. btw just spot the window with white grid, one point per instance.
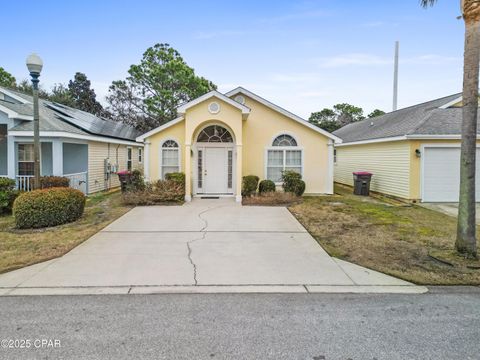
{"type": "Point", "coordinates": [25, 159]}
{"type": "Point", "coordinates": [170, 158]}
{"type": "Point", "coordinates": [283, 155]}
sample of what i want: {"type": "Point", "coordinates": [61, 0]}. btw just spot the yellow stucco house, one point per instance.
{"type": "Point", "coordinates": [219, 138]}
{"type": "Point", "coordinates": [414, 153]}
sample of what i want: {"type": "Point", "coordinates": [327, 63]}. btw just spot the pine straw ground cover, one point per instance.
{"type": "Point", "coordinates": [406, 241]}
{"type": "Point", "coordinates": [19, 248]}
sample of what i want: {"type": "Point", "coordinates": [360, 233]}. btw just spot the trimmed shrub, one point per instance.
{"type": "Point", "coordinates": [266, 186]}
{"type": "Point", "coordinates": [48, 207]}
{"type": "Point", "coordinates": [292, 182]}
{"type": "Point", "coordinates": [160, 192]}
{"type": "Point", "coordinates": [249, 185]}
{"type": "Point", "coordinates": [299, 188]}
{"type": "Point", "coordinates": [47, 182]}
{"type": "Point", "coordinates": [135, 181]}
{"type": "Point", "coordinates": [178, 177]}
{"type": "Point", "coordinates": [7, 195]}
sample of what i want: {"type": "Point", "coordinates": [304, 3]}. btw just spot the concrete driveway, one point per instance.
{"type": "Point", "coordinates": [202, 246]}
{"type": "Point", "coordinates": [450, 209]}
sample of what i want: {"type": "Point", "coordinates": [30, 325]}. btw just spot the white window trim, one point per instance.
{"type": "Point", "coordinates": [179, 150]}
{"type": "Point", "coordinates": [131, 158]}
{"type": "Point", "coordinates": [286, 132]}
{"type": "Point", "coordinates": [17, 160]}
{"type": "Point", "coordinates": [284, 149]}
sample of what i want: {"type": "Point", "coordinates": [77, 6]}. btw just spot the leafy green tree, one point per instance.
{"type": "Point", "coordinates": [62, 95]}
{"type": "Point", "coordinates": [333, 119]}
{"type": "Point", "coordinates": [83, 95]}
{"type": "Point", "coordinates": [154, 88]}
{"type": "Point", "coordinates": [25, 86]}
{"type": "Point", "coordinates": [7, 79]}
{"type": "Point", "coordinates": [375, 113]}
{"type": "Point", "coordinates": [466, 241]}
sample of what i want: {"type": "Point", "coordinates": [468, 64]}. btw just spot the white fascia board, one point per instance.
{"type": "Point", "coordinates": [142, 137]}
{"type": "Point", "coordinates": [182, 108]}
{"type": "Point", "coordinates": [14, 96]}
{"type": "Point", "coordinates": [14, 115]}
{"type": "Point", "coordinates": [67, 135]}
{"type": "Point", "coordinates": [283, 112]}
{"type": "Point", "coordinates": [373, 141]}
{"type": "Point", "coordinates": [453, 102]}
{"type": "Point", "coordinates": [436, 137]}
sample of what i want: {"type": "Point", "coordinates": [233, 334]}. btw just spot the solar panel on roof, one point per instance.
{"type": "Point", "coordinates": [94, 124]}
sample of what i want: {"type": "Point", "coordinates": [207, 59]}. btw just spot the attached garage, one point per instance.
{"type": "Point", "coordinates": [441, 174]}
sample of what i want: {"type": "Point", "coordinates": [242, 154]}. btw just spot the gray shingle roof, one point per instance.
{"type": "Point", "coordinates": [56, 117]}
{"type": "Point", "coordinates": [422, 119]}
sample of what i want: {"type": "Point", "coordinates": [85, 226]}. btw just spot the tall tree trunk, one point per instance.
{"type": "Point", "coordinates": [466, 243]}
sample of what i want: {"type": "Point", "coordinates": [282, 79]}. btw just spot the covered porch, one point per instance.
{"type": "Point", "coordinates": [58, 157]}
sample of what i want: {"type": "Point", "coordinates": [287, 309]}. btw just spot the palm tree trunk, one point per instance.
{"type": "Point", "coordinates": [466, 243]}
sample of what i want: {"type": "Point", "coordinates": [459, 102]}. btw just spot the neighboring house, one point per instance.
{"type": "Point", "coordinates": [218, 138]}
{"type": "Point", "coordinates": [414, 153]}
{"type": "Point", "coordinates": [75, 144]}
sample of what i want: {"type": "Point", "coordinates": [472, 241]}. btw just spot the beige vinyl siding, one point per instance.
{"type": "Point", "coordinates": [116, 155]}
{"type": "Point", "coordinates": [389, 162]}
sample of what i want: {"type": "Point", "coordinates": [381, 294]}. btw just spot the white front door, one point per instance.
{"type": "Point", "coordinates": [215, 171]}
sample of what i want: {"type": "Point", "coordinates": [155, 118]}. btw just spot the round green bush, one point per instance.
{"type": "Point", "coordinates": [266, 186]}
{"type": "Point", "coordinates": [48, 207]}
{"type": "Point", "coordinates": [249, 185]}
{"type": "Point", "coordinates": [292, 182]}
{"type": "Point", "coordinates": [299, 188]}
{"type": "Point", "coordinates": [7, 194]}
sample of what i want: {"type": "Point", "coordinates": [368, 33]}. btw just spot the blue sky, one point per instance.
{"type": "Point", "coordinates": [302, 55]}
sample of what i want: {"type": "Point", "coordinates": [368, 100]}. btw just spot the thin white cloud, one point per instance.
{"type": "Point", "coordinates": [358, 59]}
{"type": "Point", "coordinates": [351, 59]}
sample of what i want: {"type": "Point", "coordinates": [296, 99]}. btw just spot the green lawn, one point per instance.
{"type": "Point", "coordinates": [388, 236]}
{"type": "Point", "coordinates": [19, 248]}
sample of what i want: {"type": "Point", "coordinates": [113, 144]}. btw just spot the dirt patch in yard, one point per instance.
{"type": "Point", "coordinates": [19, 248]}
{"type": "Point", "coordinates": [396, 239]}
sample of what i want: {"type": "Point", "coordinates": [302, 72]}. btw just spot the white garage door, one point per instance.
{"type": "Point", "coordinates": [441, 174]}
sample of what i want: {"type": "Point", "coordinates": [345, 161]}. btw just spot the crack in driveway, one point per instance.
{"type": "Point", "coordinates": [203, 230]}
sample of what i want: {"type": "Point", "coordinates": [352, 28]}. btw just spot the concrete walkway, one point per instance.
{"type": "Point", "coordinates": [203, 246]}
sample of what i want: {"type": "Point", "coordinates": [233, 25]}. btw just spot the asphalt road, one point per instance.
{"type": "Point", "coordinates": [443, 324]}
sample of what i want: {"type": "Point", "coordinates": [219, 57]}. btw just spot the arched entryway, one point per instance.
{"type": "Point", "coordinates": [214, 161]}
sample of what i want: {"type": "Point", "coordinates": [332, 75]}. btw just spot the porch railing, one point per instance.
{"type": "Point", "coordinates": [25, 182]}
{"type": "Point", "coordinates": [77, 181]}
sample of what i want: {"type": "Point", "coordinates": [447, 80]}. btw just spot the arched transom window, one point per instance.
{"type": "Point", "coordinates": [170, 157]}
{"type": "Point", "coordinates": [215, 134]}
{"type": "Point", "coordinates": [284, 140]}
{"type": "Point", "coordinates": [284, 154]}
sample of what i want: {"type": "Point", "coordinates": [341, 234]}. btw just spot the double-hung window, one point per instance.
{"type": "Point", "coordinates": [25, 160]}
{"type": "Point", "coordinates": [284, 154]}
{"type": "Point", "coordinates": [129, 158]}
{"type": "Point", "coordinates": [170, 157]}
{"type": "Point", "coordinates": [140, 155]}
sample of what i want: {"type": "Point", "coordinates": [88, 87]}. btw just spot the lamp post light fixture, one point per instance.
{"type": "Point", "coordinates": [34, 65]}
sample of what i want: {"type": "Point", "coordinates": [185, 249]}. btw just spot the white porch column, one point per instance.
{"type": "Point", "coordinates": [146, 160]}
{"type": "Point", "coordinates": [11, 156]}
{"type": "Point", "coordinates": [188, 173]}
{"type": "Point", "coordinates": [57, 157]}
{"type": "Point", "coordinates": [330, 179]}
{"type": "Point", "coordinates": [239, 175]}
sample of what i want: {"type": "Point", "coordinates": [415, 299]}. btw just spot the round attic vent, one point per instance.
{"type": "Point", "coordinates": [240, 99]}
{"type": "Point", "coordinates": [213, 107]}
